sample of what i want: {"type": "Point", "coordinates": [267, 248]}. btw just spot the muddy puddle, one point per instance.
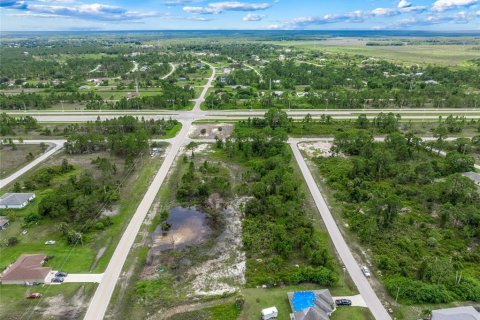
{"type": "Point", "coordinates": [188, 227]}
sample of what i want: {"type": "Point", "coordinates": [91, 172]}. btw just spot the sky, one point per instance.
{"type": "Point", "coordinates": [72, 15]}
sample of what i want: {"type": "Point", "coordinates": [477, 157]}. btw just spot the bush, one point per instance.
{"type": "Point", "coordinates": [413, 291]}
{"type": "Point", "coordinates": [12, 241]}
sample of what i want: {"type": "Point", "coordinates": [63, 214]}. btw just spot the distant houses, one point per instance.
{"type": "Point", "coordinates": [15, 200]}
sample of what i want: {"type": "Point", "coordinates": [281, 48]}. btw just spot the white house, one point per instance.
{"type": "Point", "coordinates": [15, 200]}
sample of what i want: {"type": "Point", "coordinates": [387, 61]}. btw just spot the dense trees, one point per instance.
{"type": "Point", "coordinates": [276, 230]}
{"type": "Point", "coordinates": [8, 124]}
{"type": "Point", "coordinates": [413, 209]}
{"type": "Point", "coordinates": [125, 136]}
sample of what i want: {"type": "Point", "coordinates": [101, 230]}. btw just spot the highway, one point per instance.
{"type": "Point", "coordinates": [100, 301]}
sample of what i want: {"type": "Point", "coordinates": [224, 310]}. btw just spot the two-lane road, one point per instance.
{"type": "Point", "coordinates": [364, 287]}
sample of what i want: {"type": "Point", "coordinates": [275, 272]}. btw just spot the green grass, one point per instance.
{"type": "Point", "coordinates": [226, 311]}
{"type": "Point", "coordinates": [13, 303]}
{"type": "Point", "coordinates": [81, 257]}
{"type": "Point", "coordinates": [421, 53]}
{"type": "Point", "coordinates": [257, 299]}
{"type": "Point", "coordinates": [352, 313]}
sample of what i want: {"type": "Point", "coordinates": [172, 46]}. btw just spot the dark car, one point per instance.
{"type": "Point", "coordinates": [61, 274]}
{"type": "Point", "coordinates": [58, 279]}
{"type": "Point", "coordinates": [343, 302]}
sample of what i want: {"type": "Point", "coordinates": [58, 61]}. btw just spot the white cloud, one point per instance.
{"type": "Point", "coordinates": [442, 5]}
{"type": "Point", "coordinates": [253, 17]}
{"type": "Point", "coordinates": [404, 4]}
{"type": "Point", "coordinates": [219, 7]}
{"type": "Point", "coordinates": [94, 11]}
{"type": "Point", "coordinates": [356, 16]}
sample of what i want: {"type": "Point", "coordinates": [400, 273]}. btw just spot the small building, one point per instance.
{"type": "Point", "coordinates": [431, 82]}
{"type": "Point", "coordinates": [131, 95]}
{"type": "Point", "coordinates": [307, 305]}
{"type": "Point", "coordinates": [182, 79]}
{"type": "Point", "coordinates": [227, 70]}
{"type": "Point", "coordinates": [27, 269]}
{"type": "Point", "coordinates": [475, 177]}
{"type": "Point", "coordinates": [269, 313]}
{"type": "Point", "coordinates": [277, 93]}
{"type": "Point", "coordinates": [4, 223]}
{"type": "Point", "coordinates": [15, 200]}
{"type": "Point", "coordinates": [459, 313]}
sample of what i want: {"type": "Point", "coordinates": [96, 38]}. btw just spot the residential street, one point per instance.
{"type": "Point", "coordinates": [353, 268]}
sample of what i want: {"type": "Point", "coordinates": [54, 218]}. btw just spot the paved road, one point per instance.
{"type": "Point", "coordinates": [57, 145]}
{"type": "Point", "coordinates": [201, 98]}
{"type": "Point", "coordinates": [363, 286]}
{"type": "Point", "coordinates": [357, 301]}
{"type": "Point", "coordinates": [196, 113]}
{"type": "Point", "coordinates": [99, 303]}
{"type": "Point", "coordinates": [171, 71]}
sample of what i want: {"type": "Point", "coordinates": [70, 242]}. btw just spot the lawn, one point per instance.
{"type": "Point", "coordinates": [257, 299]}
{"type": "Point", "coordinates": [13, 304]}
{"type": "Point", "coordinates": [82, 257]}
{"type": "Point", "coordinates": [421, 53]}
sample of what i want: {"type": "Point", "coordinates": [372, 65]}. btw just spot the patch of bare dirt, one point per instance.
{"type": "Point", "coordinates": [210, 131]}
{"type": "Point", "coordinates": [60, 308]}
{"type": "Point", "coordinates": [316, 149]}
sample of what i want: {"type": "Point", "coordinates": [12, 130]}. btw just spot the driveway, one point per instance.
{"type": "Point", "coordinates": [357, 301]}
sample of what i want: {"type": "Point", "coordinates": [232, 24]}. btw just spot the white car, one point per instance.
{"type": "Point", "coordinates": [50, 242]}
{"type": "Point", "coordinates": [366, 272]}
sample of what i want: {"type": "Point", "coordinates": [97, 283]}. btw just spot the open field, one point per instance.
{"type": "Point", "coordinates": [12, 160]}
{"type": "Point", "coordinates": [66, 301]}
{"type": "Point", "coordinates": [95, 252]}
{"type": "Point", "coordinates": [451, 55]}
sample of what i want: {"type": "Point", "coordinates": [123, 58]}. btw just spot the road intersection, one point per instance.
{"type": "Point", "coordinates": [100, 301]}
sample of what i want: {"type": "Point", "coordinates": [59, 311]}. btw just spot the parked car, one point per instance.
{"type": "Point", "coordinates": [50, 242]}
{"type": "Point", "coordinates": [343, 302]}
{"type": "Point", "coordinates": [34, 295]}
{"type": "Point", "coordinates": [61, 274]}
{"type": "Point", "coordinates": [366, 272]}
{"type": "Point", "coordinates": [57, 279]}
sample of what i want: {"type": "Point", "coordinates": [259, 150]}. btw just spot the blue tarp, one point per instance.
{"type": "Point", "coordinates": [302, 300]}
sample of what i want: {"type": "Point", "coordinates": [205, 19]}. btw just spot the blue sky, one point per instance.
{"type": "Point", "coordinates": [439, 15]}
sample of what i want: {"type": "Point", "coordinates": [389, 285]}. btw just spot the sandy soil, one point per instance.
{"type": "Point", "coordinates": [211, 131]}
{"type": "Point", "coordinates": [316, 149]}
{"type": "Point", "coordinates": [59, 308]}
{"type": "Point", "coordinates": [225, 272]}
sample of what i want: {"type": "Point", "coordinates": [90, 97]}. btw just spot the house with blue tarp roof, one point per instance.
{"type": "Point", "coordinates": [311, 305]}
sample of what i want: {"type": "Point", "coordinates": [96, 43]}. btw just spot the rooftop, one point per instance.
{"type": "Point", "coordinates": [311, 305]}
{"type": "Point", "coordinates": [27, 267]}
{"type": "Point", "coordinates": [15, 199]}
{"type": "Point", "coordinates": [459, 313]}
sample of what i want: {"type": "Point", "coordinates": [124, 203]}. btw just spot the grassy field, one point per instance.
{"type": "Point", "coordinates": [83, 257]}
{"type": "Point", "coordinates": [421, 54]}
{"type": "Point", "coordinates": [13, 304]}
{"type": "Point", "coordinates": [12, 160]}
